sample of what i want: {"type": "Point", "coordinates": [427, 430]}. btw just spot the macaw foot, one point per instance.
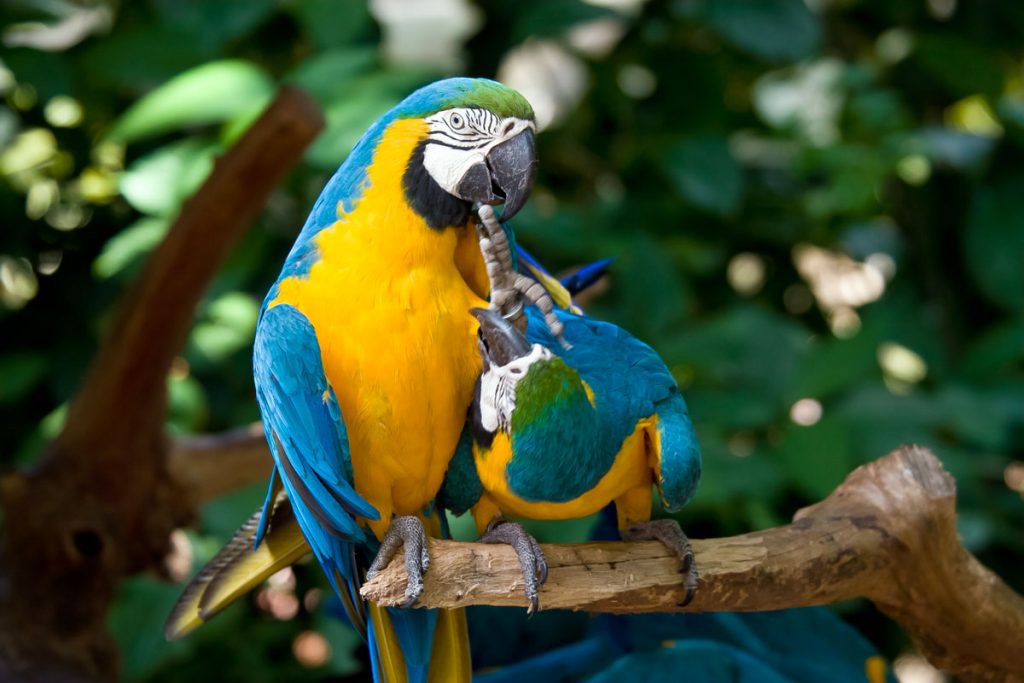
{"type": "Point", "coordinates": [671, 534]}
{"type": "Point", "coordinates": [405, 532]}
{"type": "Point", "coordinates": [508, 287]}
{"type": "Point", "coordinates": [531, 557]}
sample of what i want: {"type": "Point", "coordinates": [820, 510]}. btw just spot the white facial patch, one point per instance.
{"type": "Point", "coordinates": [459, 138]}
{"type": "Point", "coordinates": [498, 389]}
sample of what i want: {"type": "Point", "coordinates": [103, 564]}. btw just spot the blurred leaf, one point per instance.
{"type": "Point", "coordinates": [212, 23]}
{"type": "Point", "coordinates": [806, 98]}
{"type": "Point", "coordinates": [554, 17]}
{"type": "Point", "coordinates": [354, 108]}
{"type": "Point", "coordinates": [46, 72]}
{"type": "Point", "coordinates": [331, 23]}
{"type": "Point", "coordinates": [817, 458]}
{"type": "Point", "coordinates": [222, 516]}
{"type": "Point", "coordinates": [159, 182]}
{"type": "Point", "coordinates": [726, 478]}
{"type": "Point", "coordinates": [879, 421]}
{"type": "Point", "coordinates": [229, 326]}
{"type": "Point", "coordinates": [21, 372]}
{"type": "Point", "coordinates": [187, 408]}
{"type": "Point", "coordinates": [135, 620]}
{"type": "Point", "coordinates": [188, 100]}
{"type": "Point", "coordinates": [772, 29]}
{"type": "Point", "coordinates": [140, 58]}
{"type": "Point", "coordinates": [961, 151]}
{"type": "Point", "coordinates": [129, 246]}
{"type": "Point", "coordinates": [326, 75]}
{"type": "Point", "coordinates": [706, 174]}
{"type": "Point", "coordinates": [981, 420]}
{"type": "Point", "coordinates": [995, 353]}
{"type": "Point", "coordinates": [344, 642]}
{"type": "Point", "coordinates": [964, 67]}
{"type": "Point", "coordinates": [833, 365]}
{"type": "Point", "coordinates": [649, 290]}
{"type": "Point", "coordinates": [733, 409]}
{"type": "Point", "coordinates": [745, 347]}
{"type": "Point", "coordinates": [994, 242]}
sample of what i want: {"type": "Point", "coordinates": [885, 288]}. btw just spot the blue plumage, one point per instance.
{"type": "Point", "coordinates": [630, 382]}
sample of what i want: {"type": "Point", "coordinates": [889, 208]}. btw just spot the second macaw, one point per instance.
{"type": "Point", "coordinates": [563, 430]}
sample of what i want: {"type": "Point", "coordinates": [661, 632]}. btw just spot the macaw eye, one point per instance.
{"type": "Point", "coordinates": [457, 122]}
{"type": "Point", "coordinates": [515, 372]}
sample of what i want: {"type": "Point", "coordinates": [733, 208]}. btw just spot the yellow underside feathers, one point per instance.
{"type": "Point", "coordinates": [627, 483]}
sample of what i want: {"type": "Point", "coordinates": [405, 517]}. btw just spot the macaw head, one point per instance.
{"type": "Point", "coordinates": [478, 149]}
{"type": "Point", "coordinates": [522, 384]}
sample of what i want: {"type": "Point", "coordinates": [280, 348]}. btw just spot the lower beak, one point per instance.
{"type": "Point", "coordinates": [501, 341]}
{"type": "Point", "coordinates": [506, 177]}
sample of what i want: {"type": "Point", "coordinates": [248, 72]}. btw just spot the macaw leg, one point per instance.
{"type": "Point", "coordinates": [531, 557]}
{"type": "Point", "coordinates": [407, 532]}
{"type": "Point", "coordinates": [671, 534]}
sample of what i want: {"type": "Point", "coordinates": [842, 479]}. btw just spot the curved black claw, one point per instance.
{"type": "Point", "coordinates": [671, 534]}
{"type": "Point", "coordinates": [531, 557]}
{"type": "Point", "coordinates": [405, 532]}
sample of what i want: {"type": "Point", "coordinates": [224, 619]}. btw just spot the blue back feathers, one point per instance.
{"type": "Point", "coordinates": [630, 383]}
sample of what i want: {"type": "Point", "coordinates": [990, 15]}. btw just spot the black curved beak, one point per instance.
{"type": "Point", "coordinates": [501, 343]}
{"type": "Point", "coordinates": [506, 178]}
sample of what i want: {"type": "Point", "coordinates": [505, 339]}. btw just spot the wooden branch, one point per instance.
{"type": "Point", "coordinates": [101, 504]}
{"type": "Point", "coordinates": [211, 465]}
{"type": "Point", "coordinates": [888, 533]}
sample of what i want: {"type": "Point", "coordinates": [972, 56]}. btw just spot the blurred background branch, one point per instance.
{"type": "Point", "coordinates": [100, 505]}
{"type": "Point", "coordinates": [209, 466]}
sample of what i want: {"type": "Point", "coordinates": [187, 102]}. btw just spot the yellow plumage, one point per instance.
{"type": "Point", "coordinates": [627, 483]}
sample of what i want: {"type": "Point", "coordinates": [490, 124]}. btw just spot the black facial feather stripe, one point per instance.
{"type": "Point", "coordinates": [439, 209]}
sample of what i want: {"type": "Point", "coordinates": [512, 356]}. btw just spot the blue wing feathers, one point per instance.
{"type": "Point", "coordinates": [306, 434]}
{"type": "Point", "coordinates": [631, 383]}
{"type": "Point", "coordinates": [678, 455]}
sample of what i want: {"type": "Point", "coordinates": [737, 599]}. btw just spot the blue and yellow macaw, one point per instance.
{"type": "Point", "coordinates": [563, 430]}
{"type": "Point", "coordinates": [365, 354]}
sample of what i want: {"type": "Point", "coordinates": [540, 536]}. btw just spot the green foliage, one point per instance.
{"type": "Point", "coordinates": [706, 144]}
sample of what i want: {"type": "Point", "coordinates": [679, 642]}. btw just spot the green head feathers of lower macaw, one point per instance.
{"type": "Point", "coordinates": [562, 432]}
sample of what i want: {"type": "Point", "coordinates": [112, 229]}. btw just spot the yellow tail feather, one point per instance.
{"type": "Point", "coordinates": [389, 652]}
{"type": "Point", "coordinates": [449, 658]}
{"type": "Point", "coordinates": [237, 569]}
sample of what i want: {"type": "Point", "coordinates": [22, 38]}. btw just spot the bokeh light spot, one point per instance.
{"type": "Point", "coordinates": [916, 669]}
{"type": "Point", "coordinates": [1013, 475]}
{"type": "Point", "coordinates": [901, 366]}
{"type": "Point", "coordinates": [311, 649]}
{"type": "Point", "coordinates": [806, 412]}
{"type": "Point", "coordinates": [914, 169]}
{"type": "Point", "coordinates": [746, 273]}
{"type": "Point", "coordinates": [63, 112]}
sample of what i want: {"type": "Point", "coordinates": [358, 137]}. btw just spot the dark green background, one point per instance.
{"type": "Point", "coordinates": [884, 132]}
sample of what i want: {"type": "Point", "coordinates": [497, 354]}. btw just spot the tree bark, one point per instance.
{"type": "Point", "coordinates": [208, 466]}
{"type": "Point", "coordinates": [888, 533]}
{"type": "Point", "coordinates": [101, 503]}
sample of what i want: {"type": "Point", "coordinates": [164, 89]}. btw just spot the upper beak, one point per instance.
{"type": "Point", "coordinates": [501, 341]}
{"type": "Point", "coordinates": [508, 177]}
